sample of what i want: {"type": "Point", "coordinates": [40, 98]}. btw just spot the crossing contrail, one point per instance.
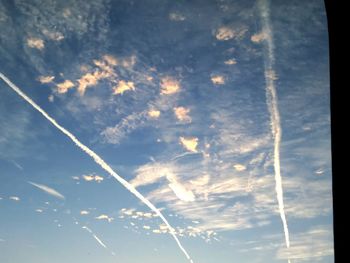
{"type": "Point", "coordinates": [97, 160]}
{"type": "Point", "coordinates": [271, 97]}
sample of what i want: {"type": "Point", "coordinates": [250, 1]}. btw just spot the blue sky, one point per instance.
{"type": "Point", "coordinates": [177, 97]}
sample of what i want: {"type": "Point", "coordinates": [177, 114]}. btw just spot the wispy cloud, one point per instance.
{"type": "Point", "coordinates": [98, 160]}
{"type": "Point", "coordinates": [174, 16]}
{"type": "Point", "coordinates": [48, 190]}
{"type": "Point", "coordinates": [53, 35]}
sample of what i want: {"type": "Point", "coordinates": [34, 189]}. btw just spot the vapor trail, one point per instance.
{"type": "Point", "coordinates": [97, 239]}
{"type": "Point", "coordinates": [271, 97]}
{"type": "Point", "coordinates": [48, 190]}
{"type": "Point", "coordinates": [97, 160]}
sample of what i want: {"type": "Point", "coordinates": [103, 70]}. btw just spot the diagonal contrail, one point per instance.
{"type": "Point", "coordinates": [96, 237]}
{"type": "Point", "coordinates": [97, 160]}
{"type": "Point", "coordinates": [271, 97]}
{"type": "Point", "coordinates": [48, 190]}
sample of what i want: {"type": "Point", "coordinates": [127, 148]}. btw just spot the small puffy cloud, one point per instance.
{"type": "Point", "coordinates": [92, 177]}
{"type": "Point", "coordinates": [84, 212]}
{"type": "Point", "coordinates": [189, 143]}
{"type": "Point", "coordinates": [146, 227]}
{"type": "Point", "coordinates": [231, 61]}
{"type": "Point", "coordinates": [218, 79]}
{"type": "Point", "coordinates": [14, 198]}
{"type": "Point", "coordinates": [154, 114]}
{"type": "Point", "coordinates": [51, 98]}
{"type": "Point", "coordinates": [105, 217]}
{"type": "Point", "coordinates": [39, 210]}
{"type": "Point", "coordinates": [48, 190]}
{"type": "Point", "coordinates": [239, 167]}
{"type": "Point", "coordinates": [46, 79]}
{"type": "Point", "coordinates": [169, 86]}
{"type": "Point", "coordinates": [64, 86]}
{"type": "Point", "coordinates": [257, 38]}
{"type": "Point", "coordinates": [123, 86]}
{"type": "Point", "coordinates": [90, 79]}
{"type": "Point", "coordinates": [37, 43]}
{"type": "Point", "coordinates": [176, 17]}
{"type": "Point", "coordinates": [224, 33]}
{"type": "Point", "coordinates": [55, 36]}
{"type": "Point", "coordinates": [181, 114]}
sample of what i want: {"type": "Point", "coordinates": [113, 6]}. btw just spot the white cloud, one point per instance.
{"type": "Point", "coordinates": [14, 198]}
{"type": "Point", "coordinates": [55, 36]}
{"type": "Point", "coordinates": [46, 79]}
{"type": "Point", "coordinates": [92, 177]}
{"type": "Point", "coordinates": [105, 217]}
{"type": "Point", "coordinates": [48, 190]}
{"type": "Point", "coordinates": [218, 79]}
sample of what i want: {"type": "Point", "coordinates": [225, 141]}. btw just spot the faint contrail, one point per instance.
{"type": "Point", "coordinates": [271, 97]}
{"type": "Point", "coordinates": [97, 160]}
{"type": "Point", "coordinates": [93, 234]}
{"type": "Point", "coordinates": [48, 190]}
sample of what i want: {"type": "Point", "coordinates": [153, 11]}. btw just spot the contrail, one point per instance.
{"type": "Point", "coordinates": [48, 190]}
{"type": "Point", "coordinates": [92, 233]}
{"type": "Point", "coordinates": [271, 97]}
{"type": "Point", "coordinates": [97, 160]}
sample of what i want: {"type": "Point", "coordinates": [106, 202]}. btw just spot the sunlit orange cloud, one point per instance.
{"type": "Point", "coordinates": [257, 38]}
{"type": "Point", "coordinates": [169, 86]}
{"type": "Point", "coordinates": [37, 43]}
{"type": "Point", "coordinates": [224, 33]}
{"type": "Point", "coordinates": [123, 86]}
{"type": "Point", "coordinates": [189, 143]}
{"type": "Point", "coordinates": [218, 79]}
{"type": "Point", "coordinates": [181, 114]}
{"type": "Point", "coordinates": [46, 79]}
{"type": "Point", "coordinates": [154, 114]}
{"type": "Point", "coordinates": [64, 86]}
{"type": "Point", "coordinates": [90, 79]}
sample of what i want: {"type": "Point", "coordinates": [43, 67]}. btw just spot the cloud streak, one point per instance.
{"type": "Point", "coordinates": [271, 97]}
{"type": "Point", "coordinates": [48, 190]}
{"type": "Point", "coordinates": [98, 160]}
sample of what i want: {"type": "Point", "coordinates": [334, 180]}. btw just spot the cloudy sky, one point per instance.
{"type": "Point", "coordinates": [165, 131]}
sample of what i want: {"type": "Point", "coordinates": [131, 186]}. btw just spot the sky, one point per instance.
{"type": "Point", "coordinates": [165, 131]}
